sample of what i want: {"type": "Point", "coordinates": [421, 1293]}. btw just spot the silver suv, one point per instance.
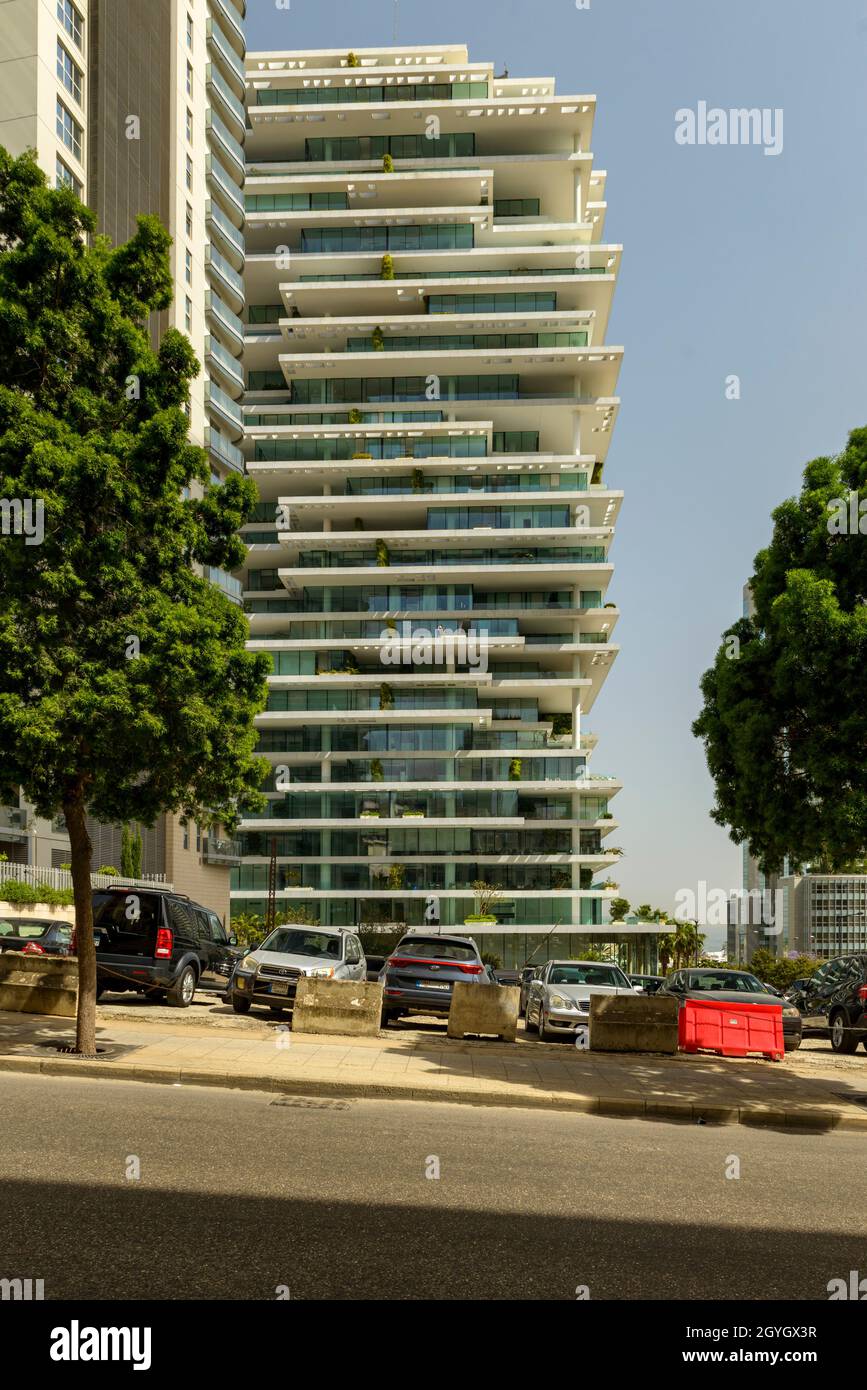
{"type": "Point", "coordinates": [270, 974]}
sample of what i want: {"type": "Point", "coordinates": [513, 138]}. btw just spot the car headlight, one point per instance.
{"type": "Point", "coordinates": [324, 974]}
{"type": "Point", "coordinates": [560, 1001]}
{"type": "Point", "coordinates": [249, 963]}
{"type": "Point", "coordinates": [790, 1012]}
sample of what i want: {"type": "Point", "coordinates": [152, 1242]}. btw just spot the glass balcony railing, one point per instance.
{"type": "Point", "coordinates": [214, 79]}
{"type": "Point", "coordinates": [224, 316]}
{"type": "Point", "coordinates": [458, 483]}
{"type": "Point", "coordinates": [214, 213]}
{"type": "Point", "coordinates": [223, 181]}
{"type": "Point", "coordinates": [225, 582]}
{"type": "Point", "coordinates": [367, 96]}
{"type": "Point", "coordinates": [526, 272]}
{"type": "Point", "coordinates": [532, 555]}
{"type": "Point", "coordinates": [224, 406]}
{"type": "Point", "coordinates": [220, 266]}
{"type": "Point", "coordinates": [216, 353]}
{"type": "Point", "coordinates": [229, 146]}
{"type": "Point", "coordinates": [222, 48]}
{"type": "Point", "coordinates": [487, 387]}
{"type": "Point", "coordinates": [497, 518]}
{"type": "Point", "coordinates": [225, 451]}
{"type": "Point", "coordinates": [464, 342]}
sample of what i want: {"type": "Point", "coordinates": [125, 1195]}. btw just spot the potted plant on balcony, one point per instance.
{"type": "Point", "coordinates": [486, 896]}
{"type": "Point", "coordinates": [353, 61]}
{"type": "Point", "coordinates": [561, 879]}
{"type": "Point", "coordinates": [355, 416]}
{"type": "Point", "coordinates": [515, 770]}
{"type": "Point", "coordinates": [386, 696]}
{"type": "Point", "coordinates": [377, 773]}
{"type": "Point", "coordinates": [386, 270]}
{"type": "Point", "coordinates": [396, 874]}
{"type": "Point", "coordinates": [377, 340]}
{"type": "Point", "coordinates": [383, 558]}
{"type": "Point", "coordinates": [362, 456]}
{"type": "Point", "coordinates": [387, 164]}
{"type": "Point", "coordinates": [417, 480]}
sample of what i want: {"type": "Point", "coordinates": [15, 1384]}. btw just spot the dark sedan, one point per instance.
{"type": "Point", "coordinates": [648, 984]}
{"type": "Point", "coordinates": [35, 936]}
{"type": "Point", "coordinates": [733, 987]}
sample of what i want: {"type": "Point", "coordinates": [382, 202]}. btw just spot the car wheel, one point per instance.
{"type": "Point", "coordinates": [791, 1044]}
{"type": "Point", "coordinates": [241, 1006]}
{"type": "Point", "coordinates": [180, 996]}
{"type": "Point", "coordinates": [843, 1040]}
{"type": "Point", "coordinates": [528, 1025]}
{"type": "Point", "coordinates": [543, 1032]}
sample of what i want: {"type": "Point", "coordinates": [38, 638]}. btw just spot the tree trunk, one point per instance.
{"type": "Point", "coordinates": [81, 857]}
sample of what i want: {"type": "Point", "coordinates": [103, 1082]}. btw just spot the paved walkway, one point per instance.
{"type": "Point", "coordinates": [809, 1093]}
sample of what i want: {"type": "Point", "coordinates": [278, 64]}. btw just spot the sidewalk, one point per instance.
{"type": "Point", "coordinates": [812, 1095]}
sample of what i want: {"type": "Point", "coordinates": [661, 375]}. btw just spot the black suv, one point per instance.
{"type": "Point", "coordinates": [833, 1003]}
{"type": "Point", "coordinates": [161, 944]}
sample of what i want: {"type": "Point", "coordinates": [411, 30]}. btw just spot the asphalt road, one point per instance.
{"type": "Point", "coordinates": [240, 1193]}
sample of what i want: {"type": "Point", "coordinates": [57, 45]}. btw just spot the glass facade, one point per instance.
{"type": "Point", "coordinates": [423, 729]}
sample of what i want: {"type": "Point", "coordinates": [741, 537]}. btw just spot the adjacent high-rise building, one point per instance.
{"type": "Point", "coordinates": [139, 106]}
{"type": "Point", "coordinates": [430, 398]}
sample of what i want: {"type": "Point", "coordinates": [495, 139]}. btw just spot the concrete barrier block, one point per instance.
{"type": "Point", "coordinates": [38, 984]}
{"type": "Point", "coordinates": [352, 1007]}
{"type": "Point", "coordinates": [633, 1023]}
{"type": "Point", "coordinates": [484, 1010]}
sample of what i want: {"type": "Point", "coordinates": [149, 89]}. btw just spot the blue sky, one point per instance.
{"type": "Point", "coordinates": [734, 263]}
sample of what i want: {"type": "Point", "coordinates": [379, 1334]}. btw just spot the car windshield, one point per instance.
{"type": "Point", "coordinates": [24, 929]}
{"type": "Point", "coordinates": [298, 941]}
{"type": "Point", "coordinates": [734, 981]}
{"type": "Point", "coordinates": [585, 975]}
{"type": "Point", "coordinates": [436, 948]}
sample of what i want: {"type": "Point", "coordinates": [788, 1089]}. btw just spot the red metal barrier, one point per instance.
{"type": "Point", "coordinates": [733, 1030]}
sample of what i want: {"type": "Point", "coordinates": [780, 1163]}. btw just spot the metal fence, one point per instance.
{"type": "Point", "coordinates": [38, 876]}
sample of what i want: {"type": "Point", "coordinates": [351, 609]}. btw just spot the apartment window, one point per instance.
{"type": "Point", "coordinates": [189, 174]}
{"type": "Point", "coordinates": [69, 17]}
{"type": "Point", "coordinates": [69, 72]}
{"type": "Point", "coordinates": [188, 266]}
{"type": "Point", "coordinates": [186, 835]}
{"type": "Point", "coordinates": [188, 314]}
{"type": "Point", "coordinates": [198, 839]}
{"type": "Point", "coordinates": [64, 177]}
{"type": "Point", "coordinates": [189, 126]}
{"type": "Point", "coordinates": [189, 79]}
{"type": "Point", "coordinates": [68, 129]}
{"type": "Point", "coordinates": [189, 31]}
{"type": "Point", "coordinates": [189, 220]}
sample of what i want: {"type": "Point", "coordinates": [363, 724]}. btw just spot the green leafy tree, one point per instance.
{"type": "Point", "coordinates": [665, 946]}
{"type": "Point", "coordinates": [619, 908]}
{"type": "Point", "coordinates": [780, 970]}
{"type": "Point", "coordinates": [125, 687]}
{"type": "Point", "coordinates": [784, 721]}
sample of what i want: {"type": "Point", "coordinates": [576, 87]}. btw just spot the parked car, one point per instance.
{"type": "Point", "coordinates": [528, 974]}
{"type": "Point", "coordinates": [374, 967]}
{"type": "Point", "coordinates": [270, 974]}
{"type": "Point", "coordinates": [418, 976]}
{"type": "Point", "coordinates": [648, 984]}
{"type": "Point", "coordinates": [833, 1003]}
{"type": "Point", "coordinates": [558, 999]}
{"type": "Point", "coordinates": [161, 944]}
{"type": "Point", "coordinates": [36, 936]}
{"type": "Point", "coordinates": [508, 977]}
{"type": "Point", "coordinates": [733, 987]}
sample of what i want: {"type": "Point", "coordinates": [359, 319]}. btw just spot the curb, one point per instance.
{"type": "Point", "coordinates": [622, 1107]}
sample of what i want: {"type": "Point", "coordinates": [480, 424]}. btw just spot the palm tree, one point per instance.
{"type": "Point", "coordinates": [665, 950]}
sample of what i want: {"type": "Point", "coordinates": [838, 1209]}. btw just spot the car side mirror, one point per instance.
{"type": "Point", "coordinates": [233, 940]}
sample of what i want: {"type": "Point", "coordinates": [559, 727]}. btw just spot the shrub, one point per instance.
{"type": "Point", "coordinates": [21, 894]}
{"type": "Point", "coordinates": [387, 164]}
{"type": "Point", "coordinates": [386, 271]}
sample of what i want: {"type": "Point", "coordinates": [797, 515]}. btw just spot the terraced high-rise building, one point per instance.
{"type": "Point", "coordinates": [430, 399]}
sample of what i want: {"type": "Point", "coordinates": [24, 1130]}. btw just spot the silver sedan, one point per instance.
{"type": "Point", "coordinates": [558, 1000]}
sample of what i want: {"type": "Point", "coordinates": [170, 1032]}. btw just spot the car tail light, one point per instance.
{"type": "Point", "coordinates": [33, 949]}
{"type": "Point", "coordinates": [435, 960]}
{"type": "Point", "coordinates": [163, 947]}
{"type": "Point", "coordinates": [862, 993]}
